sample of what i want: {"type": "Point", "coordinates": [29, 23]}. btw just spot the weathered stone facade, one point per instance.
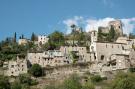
{"type": "Point", "coordinates": [14, 68]}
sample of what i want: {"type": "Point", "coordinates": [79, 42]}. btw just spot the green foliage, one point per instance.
{"type": "Point", "coordinates": [49, 46]}
{"type": "Point", "coordinates": [131, 36]}
{"type": "Point", "coordinates": [16, 85]}
{"type": "Point", "coordinates": [112, 34]}
{"type": "Point", "coordinates": [88, 85]}
{"type": "Point", "coordinates": [131, 69]}
{"type": "Point", "coordinates": [74, 56]}
{"type": "Point", "coordinates": [123, 81]}
{"type": "Point", "coordinates": [51, 87]}
{"type": "Point", "coordinates": [34, 37]}
{"type": "Point", "coordinates": [96, 78]}
{"type": "Point", "coordinates": [36, 70]}
{"type": "Point", "coordinates": [25, 79]}
{"type": "Point", "coordinates": [100, 37]}
{"type": "Point", "coordinates": [4, 83]}
{"type": "Point", "coordinates": [56, 39]}
{"type": "Point", "coordinates": [72, 82]}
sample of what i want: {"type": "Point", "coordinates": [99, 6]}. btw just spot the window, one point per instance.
{"type": "Point", "coordinates": [94, 33]}
{"type": "Point", "coordinates": [94, 56]}
{"type": "Point", "coordinates": [119, 27]}
{"type": "Point", "coordinates": [122, 48]}
{"type": "Point", "coordinates": [12, 66]}
{"type": "Point", "coordinates": [102, 57]}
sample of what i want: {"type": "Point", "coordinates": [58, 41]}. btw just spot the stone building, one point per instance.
{"type": "Point", "coordinates": [42, 39]}
{"type": "Point", "coordinates": [47, 58]}
{"type": "Point", "coordinates": [23, 41]}
{"type": "Point", "coordinates": [15, 67]}
{"type": "Point", "coordinates": [117, 24]}
{"type": "Point", "coordinates": [109, 56]}
{"type": "Point", "coordinates": [82, 52]}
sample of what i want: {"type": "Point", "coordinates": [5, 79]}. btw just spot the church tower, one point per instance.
{"type": "Point", "coordinates": [94, 35]}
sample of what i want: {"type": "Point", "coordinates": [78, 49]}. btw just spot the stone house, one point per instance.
{"type": "Point", "coordinates": [15, 67]}
{"type": "Point", "coordinates": [42, 39]}
{"type": "Point", "coordinates": [84, 56]}
{"type": "Point", "coordinates": [47, 58]}
{"type": "Point", "coordinates": [23, 41]}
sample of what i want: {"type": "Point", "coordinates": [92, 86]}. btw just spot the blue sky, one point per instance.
{"type": "Point", "coordinates": [45, 16]}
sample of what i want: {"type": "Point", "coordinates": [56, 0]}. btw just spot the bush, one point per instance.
{"type": "Point", "coordinates": [96, 78]}
{"type": "Point", "coordinates": [88, 85]}
{"type": "Point", "coordinates": [36, 70]}
{"type": "Point", "coordinates": [72, 83]}
{"type": "Point", "coordinates": [25, 79]}
{"type": "Point", "coordinates": [123, 81]}
{"type": "Point", "coordinates": [4, 83]}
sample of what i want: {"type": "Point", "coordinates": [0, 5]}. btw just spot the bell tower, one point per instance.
{"type": "Point", "coordinates": [94, 36]}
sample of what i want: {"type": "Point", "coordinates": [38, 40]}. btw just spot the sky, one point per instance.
{"type": "Point", "coordinates": [45, 16]}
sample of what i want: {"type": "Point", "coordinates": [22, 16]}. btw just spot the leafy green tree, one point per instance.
{"type": "Point", "coordinates": [16, 85]}
{"type": "Point", "coordinates": [74, 56]}
{"type": "Point", "coordinates": [14, 39]}
{"type": "Point", "coordinates": [112, 34]}
{"type": "Point", "coordinates": [4, 83]}
{"type": "Point", "coordinates": [56, 37]}
{"type": "Point", "coordinates": [49, 46]}
{"type": "Point", "coordinates": [36, 70]}
{"type": "Point", "coordinates": [131, 36]}
{"type": "Point", "coordinates": [34, 37]}
{"type": "Point", "coordinates": [25, 79]}
{"type": "Point", "coordinates": [99, 35]}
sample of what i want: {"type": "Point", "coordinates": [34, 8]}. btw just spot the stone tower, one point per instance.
{"type": "Point", "coordinates": [117, 24]}
{"type": "Point", "coordinates": [94, 35]}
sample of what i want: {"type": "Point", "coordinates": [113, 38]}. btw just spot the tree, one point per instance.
{"type": "Point", "coordinates": [36, 70]}
{"type": "Point", "coordinates": [73, 27]}
{"type": "Point", "coordinates": [4, 83]}
{"type": "Point", "coordinates": [99, 35]}
{"type": "Point", "coordinates": [25, 79]}
{"type": "Point", "coordinates": [123, 81]}
{"type": "Point", "coordinates": [131, 36]}
{"type": "Point", "coordinates": [49, 46]}
{"type": "Point", "coordinates": [57, 38]}
{"type": "Point", "coordinates": [16, 85]}
{"type": "Point", "coordinates": [22, 36]}
{"type": "Point", "coordinates": [34, 37]}
{"type": "Point", "coordinates": [14, 39]}
{"type": "Point", "coordinates": [112, 34]}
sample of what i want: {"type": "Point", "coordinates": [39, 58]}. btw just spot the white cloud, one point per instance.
{"type": "Point", "coordinates": [93, 24]}
{"type": "Point", "coordinates": [68, 22]}
{"type": "Point", "coordinates": [128, 25]}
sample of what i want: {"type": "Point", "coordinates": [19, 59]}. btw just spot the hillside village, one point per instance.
{"type": "Point", "coordinates": [101, 52]}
